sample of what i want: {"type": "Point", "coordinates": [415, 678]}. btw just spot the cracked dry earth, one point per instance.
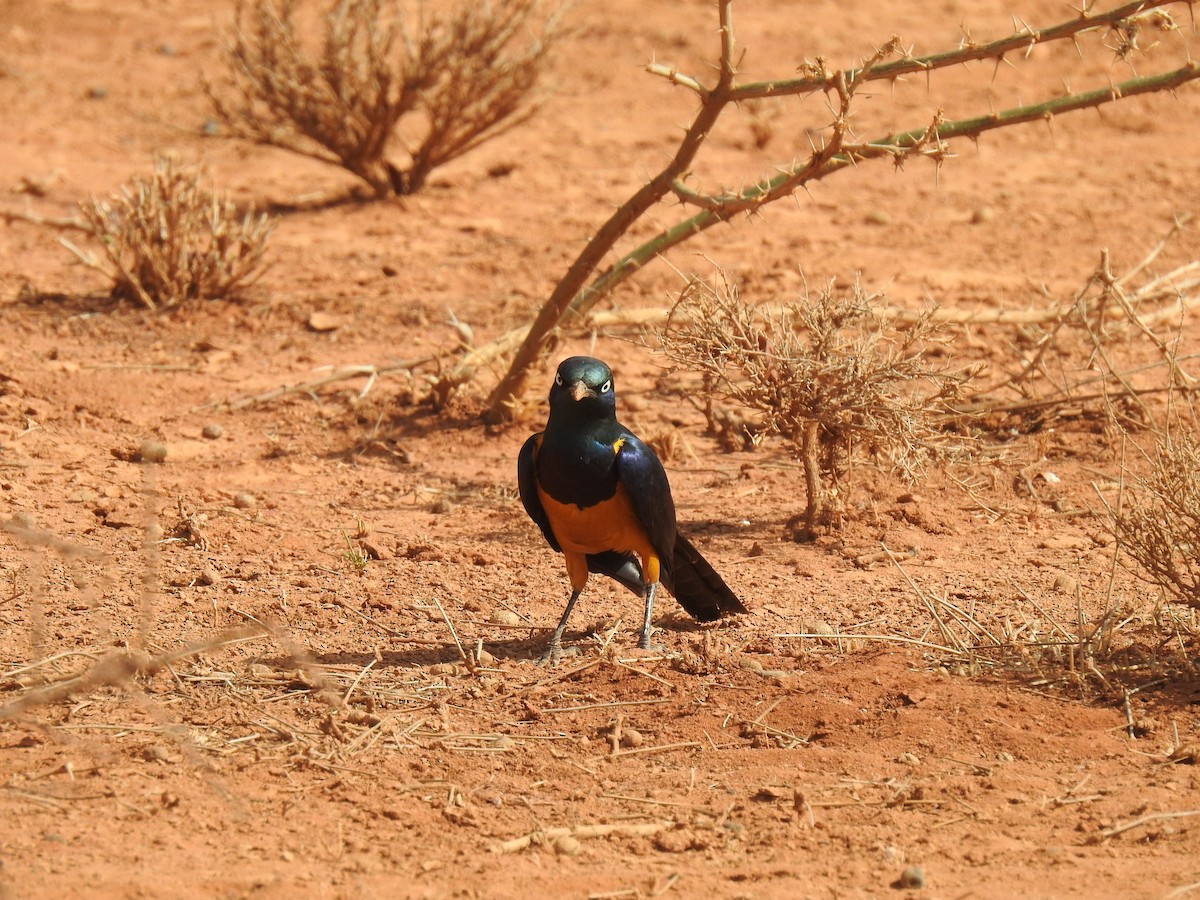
{"type": "Point", "coordinates": [264, 630]}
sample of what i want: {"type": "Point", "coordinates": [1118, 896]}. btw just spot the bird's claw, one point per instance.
{"type": "Point", "coordinates": [554, 653]}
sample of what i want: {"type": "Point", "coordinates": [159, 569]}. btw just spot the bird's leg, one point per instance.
{"type": "Point", "coordinates": [644, 640]}
{"type": "Point", "coordinates": [554, 648]}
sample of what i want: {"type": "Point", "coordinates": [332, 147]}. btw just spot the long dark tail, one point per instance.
{"type": "Point", "coordinates": [697, 586]}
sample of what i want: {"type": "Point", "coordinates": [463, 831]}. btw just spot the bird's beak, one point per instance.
{"type": "Point", "coordinates": [579, 390]}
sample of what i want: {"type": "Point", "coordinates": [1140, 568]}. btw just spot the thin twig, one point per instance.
{"type": "Point", "coordinates": [450, 625]}
{"type": "Point", "coordinates": [1146, 820]}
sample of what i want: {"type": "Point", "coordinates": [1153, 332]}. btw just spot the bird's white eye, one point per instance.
{"type": "Point", "coordinates": [606, 387]}
{"type": "Point", "coordinates": [558, 379]}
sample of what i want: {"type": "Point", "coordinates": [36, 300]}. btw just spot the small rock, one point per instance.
{"type": "Point", "coordinates": [878, 217]}
{"type": "Point", "coordinates": [567, 846]}
{"type": "Point", "coordinates": [674, 841]}
{"type": "Point", "coordinates": [913, 877]}
{"type": "Point", "coordinates": [208, 576]}
{"type": "Point", "coordinates": [212, 431]}
{"type": "Point", "coordinates": [152, 451]}
{"type": "Point", "coordinates": [631, 737]}
{"type": "Point", "coordinates": [820, 627]}
{"type": "Point", "coordinates": [97, 93]}
{"type": "Point", "coordinates": [244, 500]}
{"type": "Point", "coordinates": [752, 664]}
{"type": "Point", "coordinates": [1065, 584]}
{"type": "Point", "coordinates": [323, 321]}
{"type": "Point", "coordinates": [892, 854]}
{"type": "Point", "coordinates": [982, 214]}
{"type": "Point", "coordinates": [484, 658]}
{"type": "Point", "coordinates": [505, 617]}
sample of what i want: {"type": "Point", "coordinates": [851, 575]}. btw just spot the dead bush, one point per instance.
{"type": "Point", "coordinates": [165, 239]}
{"type": "Point", "coordinates": [827, 373]}
{"type": "Point", "coordinates": [1158, 523]}
{"type": "Point", "coordinates": [459, 82]}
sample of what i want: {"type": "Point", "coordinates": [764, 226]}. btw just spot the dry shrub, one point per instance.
{"type": "Point", "coordinates": [827, 373]}
{"type": "Point", "coordinates": [165, 239]}
{"type": "Point", "coordinates": [1158, 524]}
{"type": "Point", "coordinates": [459, 82]}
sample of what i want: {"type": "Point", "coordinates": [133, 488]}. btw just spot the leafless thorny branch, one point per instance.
{"type": "Point", "coordinates": [458, 82]}
{"type": "Point", "coordinates": [579, 289]}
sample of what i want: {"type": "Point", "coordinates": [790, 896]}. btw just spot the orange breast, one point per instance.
{"type": "Point", "coordinates": [608, 525]}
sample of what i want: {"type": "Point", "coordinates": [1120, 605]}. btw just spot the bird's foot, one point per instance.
{"type": "Point", "coordinates": [554, 652]}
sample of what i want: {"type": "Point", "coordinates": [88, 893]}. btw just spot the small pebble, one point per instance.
{"type": "Point", "coordinates": [1065, 584]}
{"type": "Point", "coordinates": [244, 500]}
{"type": "Point", "coordinates": [878, 217]}
{"type": "Point", "coordinates": [631, 737]}
{"type": "Point", "coordinates": [97, 93]}
{"type": "Point", "coordinates": [912, 877]}
{"type": "Point", "coordinates": [505, 617]}
{"type": "Point", "coordinates": [212, 431]}
{"type": "Point", "coordinates": [152, 451]}
{"type": "Point", "coordinates": [485, 659]}
{"type": "Point", "coordinates": [982, 214]}
{"type": "Point", "coordinates": [208, 576]}
{"type": "Point", "coordinates": [567, 846]}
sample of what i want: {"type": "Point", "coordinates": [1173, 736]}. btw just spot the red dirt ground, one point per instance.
{"type": "Point", "coordinates": [349, 752]}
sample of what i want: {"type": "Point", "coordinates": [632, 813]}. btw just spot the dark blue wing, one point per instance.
{"type": "Point", "coordinates": [645, 482]}
{"type": "Point", "coordinates": [527, 486]}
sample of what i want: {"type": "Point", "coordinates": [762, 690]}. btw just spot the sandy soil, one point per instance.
{"type": "Point", "coordinates": [347, 751]}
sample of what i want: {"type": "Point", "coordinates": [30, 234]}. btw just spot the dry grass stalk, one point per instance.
{"type": "Point", "coordinates": [1157, 523]}
{"type": "Point", "coordinates": [459, 82]}
{"type": "Point", "coordinates": [551, 835]}
{"type": "Point", "coordinates": [827, 373]}
{"type": "Point", "coordinates": [165, 239]}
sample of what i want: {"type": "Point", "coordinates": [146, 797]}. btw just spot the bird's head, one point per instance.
{"type": "Point", "coordinates": [583, 385]}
